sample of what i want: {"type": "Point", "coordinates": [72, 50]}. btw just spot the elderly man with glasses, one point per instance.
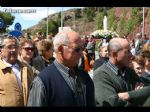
{"type": "Point", "coordinates": [15, 77]}
{"type": "Point", "coordinates": [62, 83]}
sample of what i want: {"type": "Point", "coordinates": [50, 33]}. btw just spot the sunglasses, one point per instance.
{"type": "Point", "coordinates": [28, 48]}
{"type": "Point", "coordinates": [77, 50]}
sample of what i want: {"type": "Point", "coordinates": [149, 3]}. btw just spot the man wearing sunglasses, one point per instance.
{"type": "Point", "coordinates": [62, 83]}
{"type": "Point", "coordinates": [15, 77]}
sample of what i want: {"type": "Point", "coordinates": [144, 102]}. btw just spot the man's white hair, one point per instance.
{"type": "Point", "coordinates": [60, 39]}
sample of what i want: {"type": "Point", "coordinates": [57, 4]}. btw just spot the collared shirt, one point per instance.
{"type": "Point", "coordinates": [65, 73]}
{"type": "Point", "coordinates": [115, 68]}
{"type": "Point", "coordinates": [146, 75]}
{"type": "Point", "coordinates": [74, 83]}
{"type": "Point", "coordinates": [120, 74]}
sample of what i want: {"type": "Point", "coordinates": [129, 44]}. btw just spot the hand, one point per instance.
{"type": "Point", "coordinates": [139, 85]}
{"type": "Point", "coordinates": [123, 96]}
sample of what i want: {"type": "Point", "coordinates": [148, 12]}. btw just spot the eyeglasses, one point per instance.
{"type": "Point", "coordinates": [10, 47]}
{"type": "Point", "coordinates": [77, 49]}
{"type": "Point", "coordinates": [28, 48]}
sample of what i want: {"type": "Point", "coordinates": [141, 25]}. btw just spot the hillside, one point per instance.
{"type": "Point", "coordinates": [123, 20]}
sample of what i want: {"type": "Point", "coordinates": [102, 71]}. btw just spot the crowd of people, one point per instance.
{"type": "Point", "coordinates": [55, 71]}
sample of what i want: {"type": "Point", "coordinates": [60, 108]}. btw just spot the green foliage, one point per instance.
{"type": "Point", "coordinates": [114, 26]}
{"type": "Point", "coordinates": [78, 13]}
{"type": "Point", "coordinates": [130, 25]}
{"type": "Point", "coordinates": [111, 19]}
{"type": "Point", "coordinates": [122, 23]}
{"type": "Point", "coordinates": [52, 27]}
{"type": "Point", "coordinates": [135, 15]}
{"type": "Point", "coordinates": [99, 21]}
{"type": "Point", "coordinates": [105, 12]}
{"type": "Point", "coordinates": [89, 13]}
{"type": "Point", "coordinates": [59, 15]}
{"type": "Point", "coordinates": [148, 15]}
{"type": "Point", "coordinates": [8, 20]}
{"type": "Point", "coordinates": [99, 9]}
{"type": "Point", "coordinates": [58, 20]}
{"type": "Point", "coordinates": [134, 21]}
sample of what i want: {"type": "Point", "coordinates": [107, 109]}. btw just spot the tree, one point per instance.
{"type": "Point", "coordinates": [78, 13]}
{"type": "Point", "coordinates": [99, 21]}
{"type": "Point", "coordinates": [52, 27]}
{"type": "Point", "coordinates": [89, 13]}
{"type": "Point", "coordinates": [58, 20]}
{"type": "Point", "coordinates": [8, 20]}
{"type": "Point", "coordinates": [122, 23]}
{"type": "Point", "coordinates": [111, 19]}
{"type": "Point", "coordinates": [105, 12]}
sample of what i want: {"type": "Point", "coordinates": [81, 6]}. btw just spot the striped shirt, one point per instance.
{"type": "Point", "coordinates": [74, 83]}
{"type": "Point", "coordinates": [114, 68]}
{"type": "Point", "coordinates": [120, 74]}
{"type": "Point", "coordinates": [64, 71]}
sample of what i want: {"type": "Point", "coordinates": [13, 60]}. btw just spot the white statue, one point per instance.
{"type": "Point", "coordinates": [105, 24]}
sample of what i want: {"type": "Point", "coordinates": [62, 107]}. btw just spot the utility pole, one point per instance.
{"type": "Point", "coordinates": [143, 25]}
{"type": "Point", "coordinates": [47, 22]}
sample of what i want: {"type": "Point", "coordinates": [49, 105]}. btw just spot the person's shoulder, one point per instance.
{"type": "Point", "coordinates": [128, 69]}
{"type": "Point", "coordinates": [22, 64]}
{"type": "Point", "coordinates": [81, 71]}
{"type": "Point", "coordinates": [37, 81]}
{"type": "Point", "coordinates": [132, 73]}
{"type": "Point", "coordinates": [97, 60]}
{"type": "Point", "coordinates": [48, 70]}
{"type": "Point", "coordinates": [98, 63]}
{"type": "Point", "coordinates": [2, 64]}
{"type": "Point", "coordinates": [37, 58]}
{"type": "Point", "coordinates": [101, 69]}
{"type": "Point", "coordinates": [145, 74]}
{"type": "Point", "coordinates": [85, 75]}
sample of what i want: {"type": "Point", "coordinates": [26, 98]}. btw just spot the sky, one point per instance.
{"type": "Point", "coordinates": [29, 16]}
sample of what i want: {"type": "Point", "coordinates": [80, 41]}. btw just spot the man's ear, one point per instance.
{"type": "Point", "coordinates": [114, 54]}
{"type": "Point", "coordinates": [60, 49]}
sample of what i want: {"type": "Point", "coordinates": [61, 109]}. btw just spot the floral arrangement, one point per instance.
{"type": "Point", "coordinates": [104, 34]}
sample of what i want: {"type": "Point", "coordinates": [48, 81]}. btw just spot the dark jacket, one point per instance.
{"type": "Point", "coordinates": [99, 62]}
{"type": "Point", "coordinates": [56, 92]}
{"type": "Point", "coordinates": [108, 85]}
{"type": "Point", "coordinates": [39, 63]}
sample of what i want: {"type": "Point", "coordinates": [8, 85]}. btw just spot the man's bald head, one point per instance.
{"type": "Point", "coordinates": [65, 37]}
{"type": "Point", "coordinates": [119, 52]}
{"type": "Point", "coordinates": [116, 44]}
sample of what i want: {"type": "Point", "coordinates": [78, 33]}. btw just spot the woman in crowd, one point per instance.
{"type": "Point", "coordinates": [103, 55]}
{"type": "Point", "coordinates": [45, 58]}
{"type": "Point", "coordinates": [86, 61]}
{"type": "Point", "coordinates": [137, 64]}
{"type": "Point", "coordinates": [26, 53]}
{"type": "Point", "coordinates": [145, 53]}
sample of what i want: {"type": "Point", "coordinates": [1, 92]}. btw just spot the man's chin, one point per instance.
{"type": "Point", "coordinates": [13, 61]}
